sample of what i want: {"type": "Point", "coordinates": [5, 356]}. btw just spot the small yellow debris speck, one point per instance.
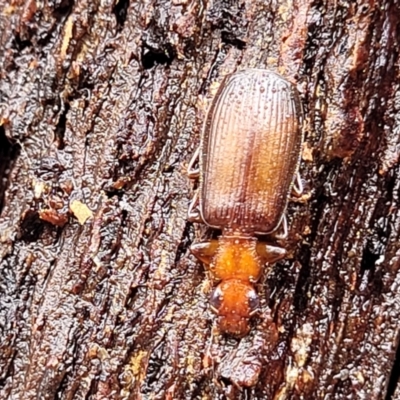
{"type": "Point", "coordinates": [81, 211]}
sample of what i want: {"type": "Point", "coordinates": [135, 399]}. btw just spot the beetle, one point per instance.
{"type": "Point", "coordinates": [247, 165]}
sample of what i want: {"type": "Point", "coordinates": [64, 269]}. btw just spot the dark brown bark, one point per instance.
{"type": "Point", "coordinates": [101, 107]}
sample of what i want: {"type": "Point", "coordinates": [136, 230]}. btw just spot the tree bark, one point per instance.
{"type": "Point", "coordinates": [101, 107]}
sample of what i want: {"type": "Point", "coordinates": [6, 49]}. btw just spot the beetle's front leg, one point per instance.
{"type": "Point", "coordinates": [205, 251]}
{"type": "Point", "coordinates": [270, 254]}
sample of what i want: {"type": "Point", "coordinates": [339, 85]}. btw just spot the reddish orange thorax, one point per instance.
{"type": "Point", "coordinates": [237, 258]}
{"type": "Point", "coordinates": [237, 265]}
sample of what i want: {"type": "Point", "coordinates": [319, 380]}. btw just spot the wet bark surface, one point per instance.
{"type": "Point", "coordinates": [101, 107]}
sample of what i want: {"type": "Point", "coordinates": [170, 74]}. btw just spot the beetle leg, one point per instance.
{"type": "Point", "coordinates": [282, 231]}
{"type": "Point", "coordinates": [270, 254]}
{"type": "Point", "coordinates": [193, 211]}
{"type": "Point", "coordinates": [205, 251]}
{"type": "Point", "coordinates": [297, 187]}
{"type": "Point", "coordinates": [192, 171]}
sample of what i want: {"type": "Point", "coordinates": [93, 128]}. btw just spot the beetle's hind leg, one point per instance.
{"type": "Point", "coordinates": [193, 170]}
{"type": "Point", "coordinates": [281, 231]}
{"type": "Point", "coordinates": [297, 188]}
{"type": "Point", "coordinates": [194, 211]}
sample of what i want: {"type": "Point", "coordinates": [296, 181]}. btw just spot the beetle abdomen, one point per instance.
{"type": "Point", "coordinates": [250, 152]}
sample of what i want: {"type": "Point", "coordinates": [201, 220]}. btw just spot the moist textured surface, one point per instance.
{"type": "Point", "coordinates": [101, 107]}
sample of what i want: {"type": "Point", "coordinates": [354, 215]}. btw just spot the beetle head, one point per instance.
{"type": "Point", "coordinates": [235, 302]}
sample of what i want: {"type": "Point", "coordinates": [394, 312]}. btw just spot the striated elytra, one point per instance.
{"type": "Point", "coordinates": [248, 160]}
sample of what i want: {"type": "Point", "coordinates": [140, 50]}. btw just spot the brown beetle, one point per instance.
{"type": "Point", "coordinates": [248, 161]}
